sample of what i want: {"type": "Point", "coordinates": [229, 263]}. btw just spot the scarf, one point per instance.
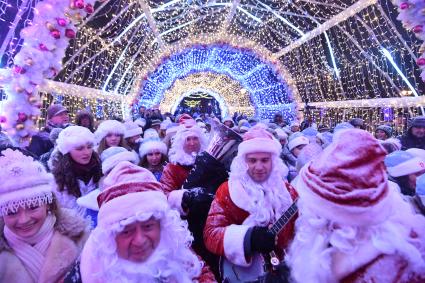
{"type": "Point", "coordinates": [87, 171]}
{"type": "Point", "coordinates": [32, 251]}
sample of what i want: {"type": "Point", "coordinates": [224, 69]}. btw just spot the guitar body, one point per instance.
{"type": "Point", "coordinates": [232, 273]}
{"type": "Point", "coordinates": [261, 265]}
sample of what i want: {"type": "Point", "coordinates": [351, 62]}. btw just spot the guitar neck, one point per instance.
{"type": "Point", "coordinates": [284, 219]}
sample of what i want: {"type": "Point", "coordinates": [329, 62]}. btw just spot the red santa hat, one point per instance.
{"type": "Point", "coordinates": [188, 127]}
{"type": "Point", "coordinates": [258, 139]}
{"type": "Point", "coordinates": [347, 182]}
{"type": "Point", "coordinates": [130, 190]}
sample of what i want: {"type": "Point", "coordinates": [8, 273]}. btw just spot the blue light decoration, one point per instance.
{"type": "Point", "coordinates": [267, 88]}
{"type": "Point", "coordinates": [388, 114]}
{"type": "Point", "coordinates": [99, 109]}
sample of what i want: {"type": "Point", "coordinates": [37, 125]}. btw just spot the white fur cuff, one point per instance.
{"type": "Point", "coordinates": [234, 244]}
{"type": "Point", "coordinates": [175, 200]}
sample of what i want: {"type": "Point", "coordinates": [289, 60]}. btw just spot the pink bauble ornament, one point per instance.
{"type": "Point", "coordinates": [79, 4]}
{"type": "Point", "coordinates": [70, 33]}
{"type": "Point", "coordinates": [19, 70]}
{"type": "Point", "coordinates": [418, 29]}
{"type": "Point", "coordinates": [89, 9]}
{"type": "Point", "coordinates": [404, 6]}
{"type": "Point", "coordinates": [3, 119]}
{"type": "Point", "coordinates": [61, 22]}
{"type": "Point", "coordinates": [420, 62]}
{"type": "Point", "coordinates": [43, 47]}
{"type": "Point", "coordinates": [22, 117]}
{"type": "Point", "coordinates": [55, 33]}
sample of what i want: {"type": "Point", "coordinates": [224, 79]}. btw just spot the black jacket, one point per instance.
{"type": "Point", "coordinates": [410, 141]}
{"type": "Point", "coordinates": [41, 143]}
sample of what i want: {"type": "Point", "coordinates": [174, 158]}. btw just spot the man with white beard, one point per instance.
{"type": "Point", "coordinates": [354, 225]}
{"type": "Point", "coordinates": [188, 142]}
{"type": "Point", "coordinates": [138, 237]}
{"type": "Point", "coordinates": [254, 197]}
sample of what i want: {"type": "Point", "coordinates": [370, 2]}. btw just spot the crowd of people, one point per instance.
{"type": "Point", "coordinates": [148, 200]}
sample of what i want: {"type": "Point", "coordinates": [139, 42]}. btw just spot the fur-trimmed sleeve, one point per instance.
{"type": "Point", "coordinates": [173, 178]}
{"type": "Point", "coordinates": [223, 215]}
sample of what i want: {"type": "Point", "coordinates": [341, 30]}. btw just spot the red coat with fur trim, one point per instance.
{"type": "Point", "coordinates": [385, 268]}
{"type": "Point", "coordinates": [67, 242]}
{"type": "Point", "coordinates": [225, 215]}
{"type": "Point", "coordinates": [173, 177]}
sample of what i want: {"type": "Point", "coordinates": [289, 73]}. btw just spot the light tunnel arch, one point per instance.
{"type": "Point", "coordinates": [270, 89]}
{"type": "Point", "coordinates": [230, 94]}
{"type": "Point", "coordinates": [224, 108]}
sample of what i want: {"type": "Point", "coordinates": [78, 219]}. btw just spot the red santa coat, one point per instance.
{"type": "Point", "coordinates": [173, 177]}
{"type": "Point", "coordinates": [384, 268]}
{"type": "Point", "coordinates": [225, 229]}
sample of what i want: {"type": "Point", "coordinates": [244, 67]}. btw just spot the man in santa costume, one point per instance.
{"type": "Point", "coordinates": [188, 142]}
{"type": "Point", "coordinates": [255, 196]}
{"type": "Point", "coordinates": [354, 225]}
{"type": "Point", "coordinates": [138, 237]}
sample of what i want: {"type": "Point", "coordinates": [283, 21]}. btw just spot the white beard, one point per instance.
{"type": "Point", "coordinates": [334, 251]}
{"type": "Point", "coordinates": [183, 158]}
{"type": "Point", "coordinates": [269, 200]}
{"type": "Point", "coordinates": [159, 267]}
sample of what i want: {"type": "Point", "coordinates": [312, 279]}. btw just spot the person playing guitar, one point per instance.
{"type": "Point", "coordinates": [254, 198]}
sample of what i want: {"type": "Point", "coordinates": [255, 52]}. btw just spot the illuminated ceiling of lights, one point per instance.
{"type": "Point", "coordinates": [118, 47]}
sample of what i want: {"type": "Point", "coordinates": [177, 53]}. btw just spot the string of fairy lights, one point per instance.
{"type": "Point", "coordinates": [117, 50]}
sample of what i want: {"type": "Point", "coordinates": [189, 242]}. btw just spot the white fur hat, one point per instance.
{"type": "Point", "coordinates": [25, 182]}
{"type": "Point", "coordinates": [151, 134]}
{"type": "Point", "coordinates": [141, 122]}
{"type": "Point", "coordinates": [281, 133]}
{"type": "Point", "coordinates": [296, 140]}
{"type": "Point", "coordinates": [73, 137]}
{"type": "Point", "coordinates": [149, 145]}
{"type": "Point", "coordinates": [107, 127]}
{"type": "Point", "coordinates": [113, 155]}
{"type": "Point", "coordinates": [258, 139]}
{"type": "Point", "coordinates": [132, 129]}
{"type": "Point", "coordinates": [403, 163]}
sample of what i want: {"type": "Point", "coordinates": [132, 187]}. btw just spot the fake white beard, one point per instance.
{"type": "Point", "coordinates": [172, 261]}
{"type": "Point", "coordinates": [332, 248]}
{"type": "Point", "coordinates": [183, 158]}
{"type": "Point", "coordinates": [270, 199]}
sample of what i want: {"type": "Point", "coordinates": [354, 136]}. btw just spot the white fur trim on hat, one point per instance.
{"type": "Point", "coordinates": [259, 145]}
{"type": "Point", "coordinates": [409, 167]}
{"type": "Point", "coordinates": [129, 205]}
{"type": "Point", "coordinates": [418, 152]}
{"type": "Point", "coordinates": [108, 127]}
{"type": "Point", "coordinates": [133, 132]}
{"type": "Point", "coordinates": [151, 145]}
{"type": "Point", "coordinates": [89, 200]}
{"type": "Point", "coordinates": [151, 134]}
{"type": "Point", "coordinates": [24, 182]}
{"type": "Point", "coordinates": [73, 137]}
{"type": "Point", "coordinates": [297, 141]}
{"type": "Point", "coordinates": [109, 163]}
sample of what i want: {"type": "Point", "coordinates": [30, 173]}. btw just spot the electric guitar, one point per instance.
{"type": "Point", "coordinates": [260, 265]}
